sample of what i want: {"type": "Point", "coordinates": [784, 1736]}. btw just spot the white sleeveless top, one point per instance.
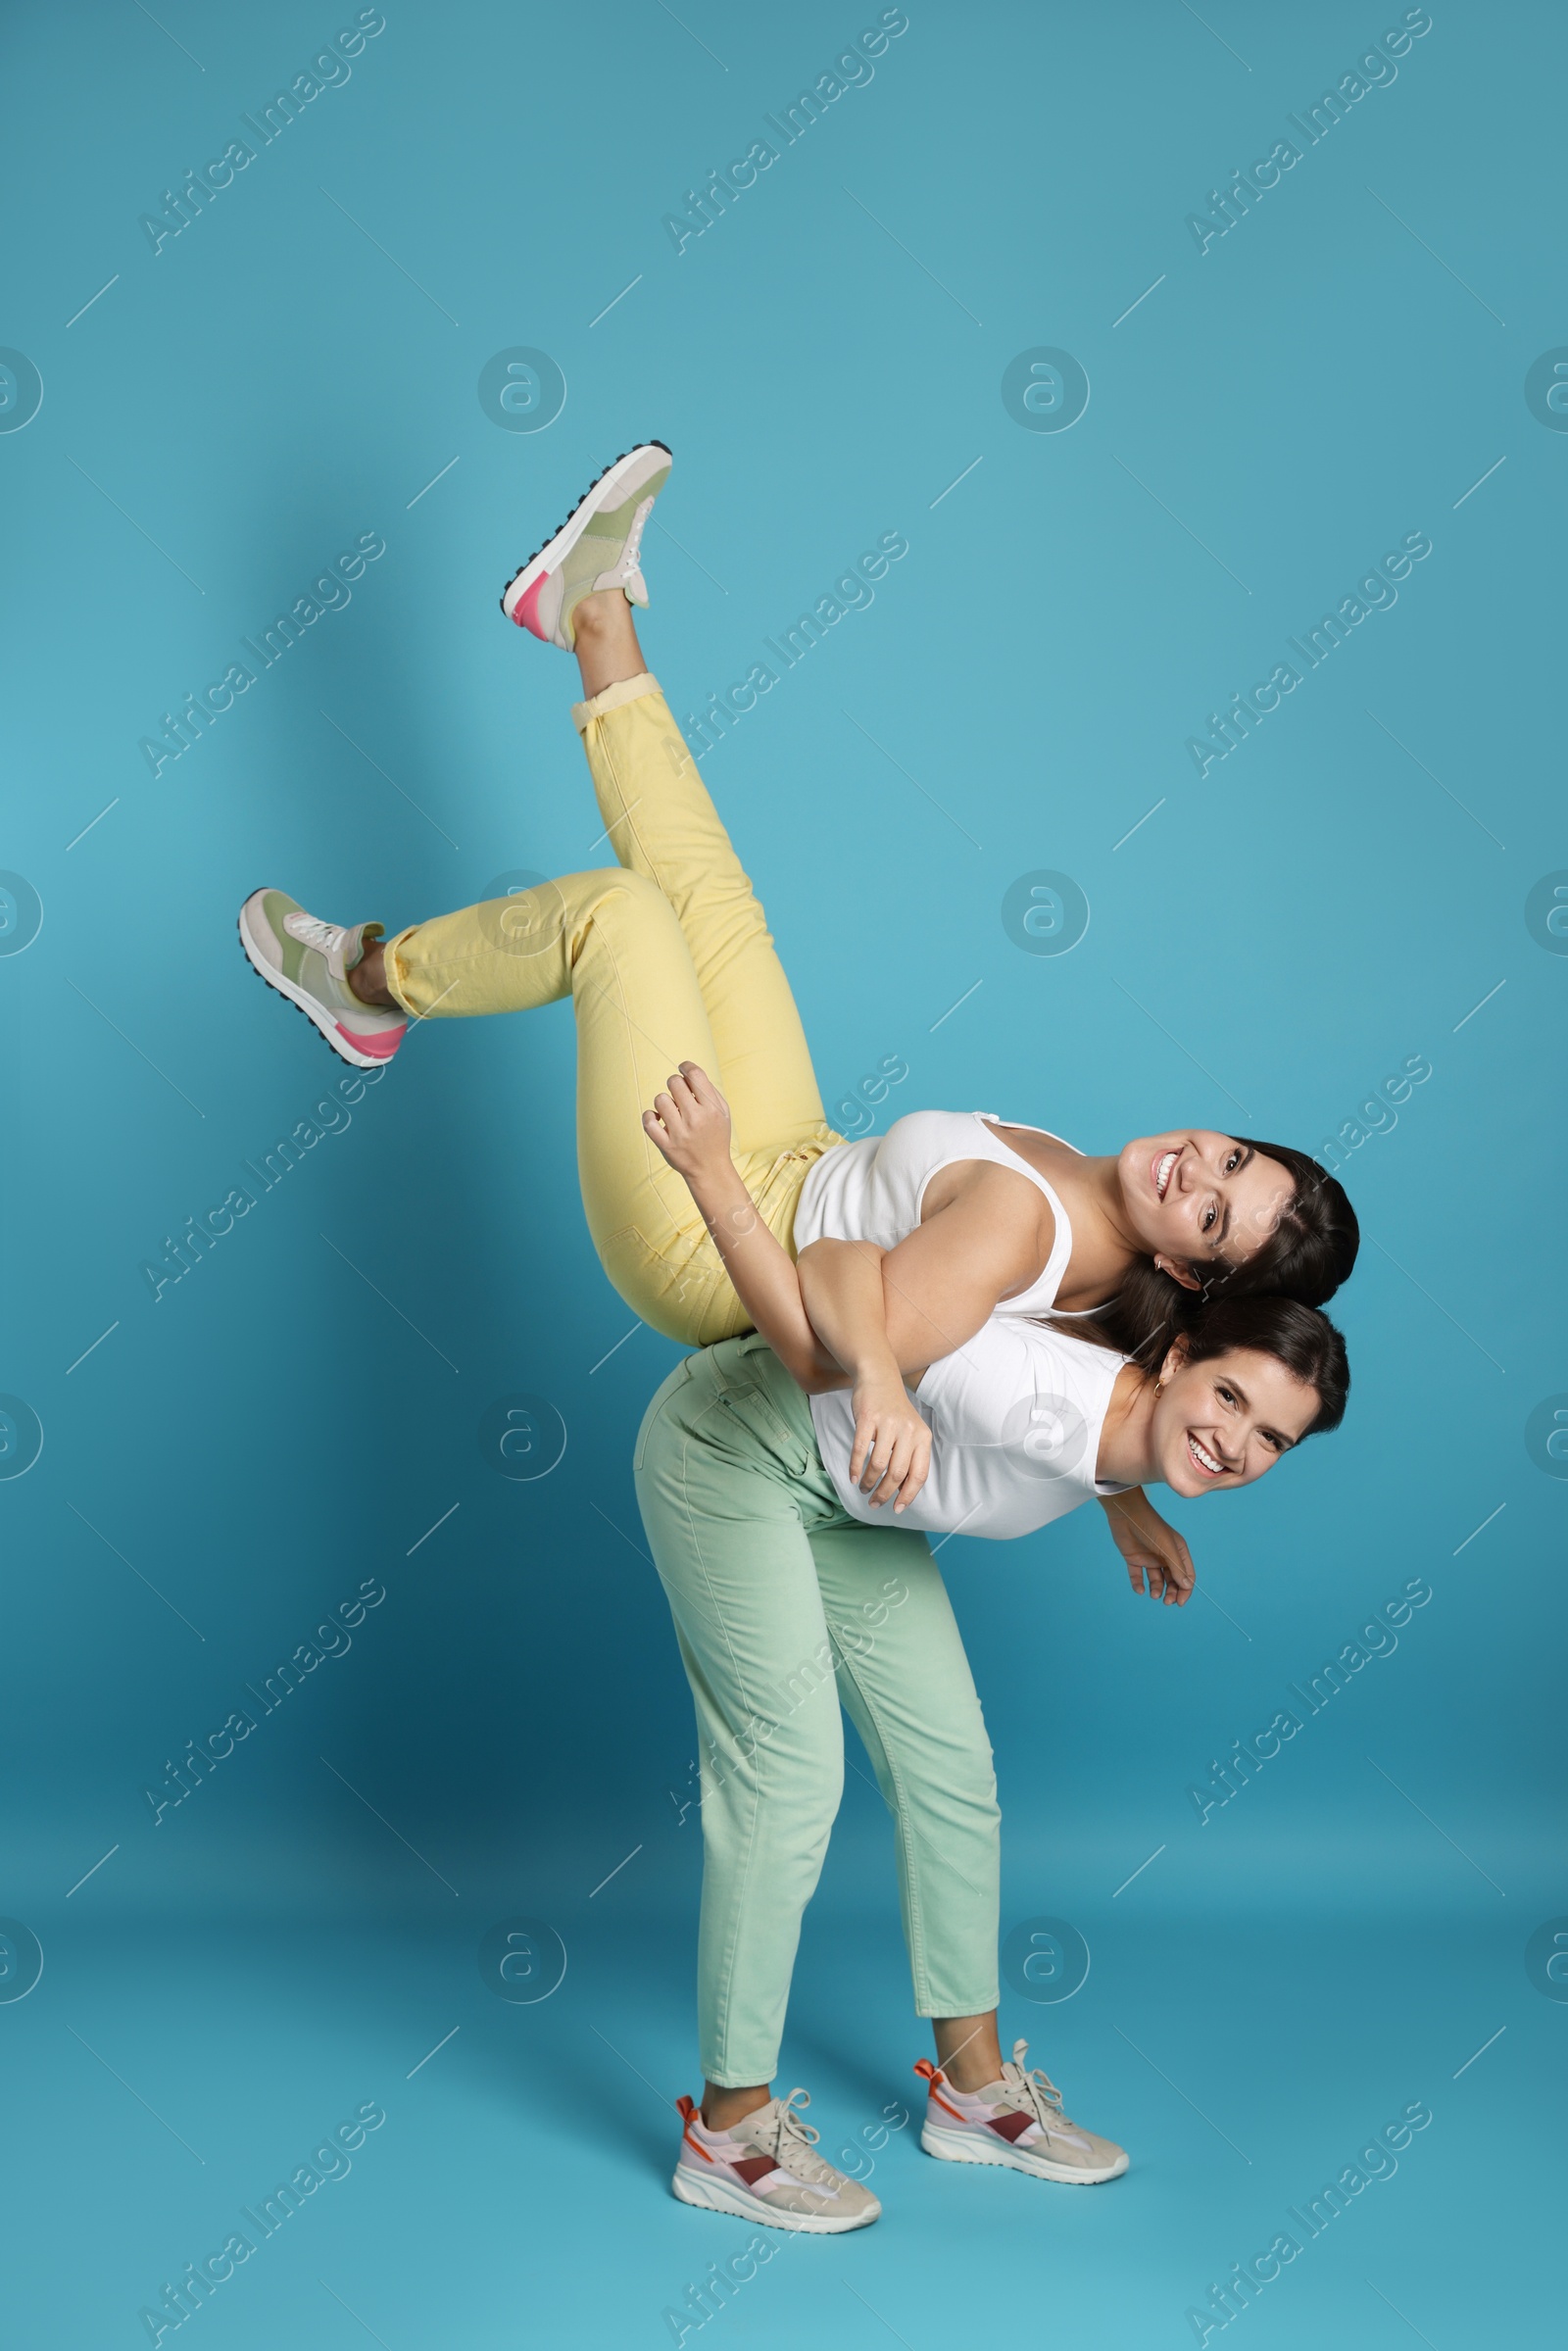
{"type": "Point", "coordinates": [1016, 1418]}
{"type": "Point", "coordinates": [872, 1190]}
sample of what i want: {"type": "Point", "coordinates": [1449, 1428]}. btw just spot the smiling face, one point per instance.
{"type": "Point", "coordinates": [1224, 1422]}
{"type": "Point", "coordinates": [1198, 1199]}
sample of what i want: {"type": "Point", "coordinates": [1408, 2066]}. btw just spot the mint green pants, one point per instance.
{"type": "Point", "coordinates": [785, 1608]}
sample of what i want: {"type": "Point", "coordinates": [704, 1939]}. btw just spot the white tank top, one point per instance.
{"type": "Point", "coordinates": [872, 1190]}
{"type": "Point", "coordinates": [1016, 1418]}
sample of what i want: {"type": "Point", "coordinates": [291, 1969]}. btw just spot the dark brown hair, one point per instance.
{"type": "Point", "coordinates": [1309, 1347]}
{"type": "Point", "coordinates": [1305, 1341]}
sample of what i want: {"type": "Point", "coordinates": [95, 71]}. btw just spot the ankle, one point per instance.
{"type": "Point", "coordinates": [968, 2052]}
{"type": "Point", "coordinates": [969, 2074]}
{"type": "Point", "coordinates": [368, 979]}
{"type": "Point", "coordinates": [721, 2109]}
{"type": "Point", "coordinates": [599, 610]}
{"type": "Point", "coordinates": [604, 641]}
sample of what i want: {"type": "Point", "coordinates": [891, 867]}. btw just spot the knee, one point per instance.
{"type": "Point", "coordinates": [821, 1788]}
{"type": "Point", "coordinates": [967, 1789]}
{"type": "Point", "coordinates": [801, 1767]}
{"type": "Point", "coordinates": [615, 902]}
{"type": "Point", "coordinates": [618, 884]}
{"type": "Point", "coordinates": [793, 1782]}
{"type": "Point", "coordinates": [799, 1825]}
{"type": "Point", "coordinates": [974, 1784]}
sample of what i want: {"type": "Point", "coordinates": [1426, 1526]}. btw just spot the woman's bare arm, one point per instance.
{"type": "Point", "coordinates": [942, 1283]}
{"type": "Point", "coordinates": [689, 1123]}
{"type": "Point", "coordinates": [841, 1287]}
{"type": "Point", "coordinates": [945, 1280]}
{"type": "Point", "coordinates": [1151, 1547]}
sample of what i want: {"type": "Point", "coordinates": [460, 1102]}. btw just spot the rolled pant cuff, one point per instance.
{"type": "Point", "coordinates": [981, 2003]}
{"type": "Point", "coordinates": [727, 2078]}
{"type": "Point", "coordinates": [614, 698]}
{"type": "Point", "coordinates": [389, 978]}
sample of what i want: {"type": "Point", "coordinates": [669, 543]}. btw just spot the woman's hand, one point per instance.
{"type": "Point", "coordinates": [1151, 1547]}
{"type": "Point", "coordinates": [689, 1123]}
{"type": "Point", "coordinates": [892, 1452]}
{"type": "Point", "coordinates": [689, 1126]}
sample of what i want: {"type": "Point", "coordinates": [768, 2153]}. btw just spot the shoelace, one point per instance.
{"type": "Point", "coordinates": [1034, 2092]}
{"type": "Point", "coordinates": [310, 931]}
{"type": "Point", "coordinates": [634, 537]}
{"type": "Point", "coordinates": [790, 2140]}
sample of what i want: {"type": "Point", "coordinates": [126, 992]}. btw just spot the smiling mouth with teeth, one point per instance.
{"type": "Point", "coordinates": [1204, 1458]}
{"type": "Point", "coordinates": [1164, 1169]}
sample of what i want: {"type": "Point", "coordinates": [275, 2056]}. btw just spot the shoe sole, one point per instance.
{"type": "Point", "coordinates": [316, 1014]}
{"type": "Point", "coordinates": [563, 539]}
{"type": "Point", "coordinates": [953, 2146]}
{"type": "Point", "coordinates": [713, 2196]}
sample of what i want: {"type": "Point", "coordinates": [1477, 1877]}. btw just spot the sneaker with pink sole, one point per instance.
{"type": "Point", "coordinates": [308, 961]}
{"type": "Point", "coordinates": [598, 546]}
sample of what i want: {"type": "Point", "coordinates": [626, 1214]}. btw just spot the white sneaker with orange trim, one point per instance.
{"type": "Point", "coordinates": [767, 2169]}
{"type": "Point", "coordinates": [1017, 2121]}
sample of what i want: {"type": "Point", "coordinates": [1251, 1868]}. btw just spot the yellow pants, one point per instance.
{"type": "Point", "coordinates": [667, 958]}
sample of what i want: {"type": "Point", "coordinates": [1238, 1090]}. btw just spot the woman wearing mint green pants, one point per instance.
{"type": "Point", "coordinates": [785, 1608]}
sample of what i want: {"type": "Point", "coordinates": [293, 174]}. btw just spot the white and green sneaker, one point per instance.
{"type": "Point", "coordinates": [598, 546]}
{"type": "Point", "coordinates": [308, 961]}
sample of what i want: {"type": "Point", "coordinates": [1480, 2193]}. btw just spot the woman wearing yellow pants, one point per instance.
{"type": "Point", "coordinates": [667, 958]}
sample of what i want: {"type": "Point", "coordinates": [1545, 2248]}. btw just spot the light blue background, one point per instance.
{"type": "Point", "coordinates": [1277, 412]}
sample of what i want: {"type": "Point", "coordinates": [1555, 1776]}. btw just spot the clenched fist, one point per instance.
{"type": "Point", "coordinates": [689, 1123]}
